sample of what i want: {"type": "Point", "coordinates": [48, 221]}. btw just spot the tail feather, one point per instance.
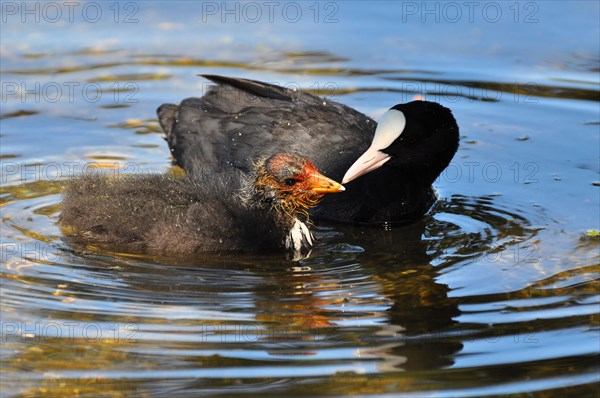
{"type": "Point", "coordinates": [255, 87]}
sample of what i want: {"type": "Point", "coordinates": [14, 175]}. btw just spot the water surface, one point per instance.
{"type": "Point", "coordinates": [494, 293]}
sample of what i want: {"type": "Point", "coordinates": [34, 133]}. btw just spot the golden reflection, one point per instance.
{"type": "Point", "coordinates": [298, 305]}
{"type": "Point", "coordinates": [46, 358]}
{"type": "Point", "coordinates": [30, 190]}
{"type": "Point", "coordinates": [145, 126]}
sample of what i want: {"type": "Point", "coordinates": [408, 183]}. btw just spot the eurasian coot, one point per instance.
{"type": "Point", "coordinates": [225, 211]}
{"type": "Point", "coordinates": [238, 120]}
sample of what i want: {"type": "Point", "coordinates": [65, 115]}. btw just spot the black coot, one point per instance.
{"type": "Point", "coordinates": [389, 167]}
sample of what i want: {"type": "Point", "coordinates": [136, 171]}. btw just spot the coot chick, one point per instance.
{"type": "Point", "coordinates": [238, 118]}
{"type": "Point", "coordinates": [212, 213]}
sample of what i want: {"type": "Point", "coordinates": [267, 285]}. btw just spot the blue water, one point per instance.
{"type": "Point", "coordinates": [496, 293]}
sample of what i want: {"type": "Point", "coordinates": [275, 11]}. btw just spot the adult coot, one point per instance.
{"type": "Point", "coordinates": [238, 120]}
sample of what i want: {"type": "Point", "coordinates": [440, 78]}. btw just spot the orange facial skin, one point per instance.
{"type": "Point", "coordinates": [296, 182]}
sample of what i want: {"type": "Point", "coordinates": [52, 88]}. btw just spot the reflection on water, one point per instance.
{"type": "Point", "coordinates": [132, 322]}
{"type": "Point", "coordinates": [495, 292]}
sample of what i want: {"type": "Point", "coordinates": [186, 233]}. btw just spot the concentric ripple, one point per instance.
{"type": "Point", "coordinates": [354, 307]}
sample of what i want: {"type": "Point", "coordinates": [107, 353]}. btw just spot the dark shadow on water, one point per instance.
{"type": "Point", "coordinates": [298, 302]}
{"type": "Point", "coordinates": [406, 261]}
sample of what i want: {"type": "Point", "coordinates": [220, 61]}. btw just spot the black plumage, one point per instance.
{"type": "Point", "coordinates": [238, 120]}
